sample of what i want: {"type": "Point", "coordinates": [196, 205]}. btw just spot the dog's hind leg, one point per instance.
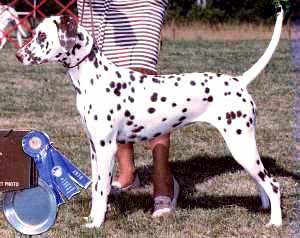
{"type": "Point", "coordinates": [242, 144]}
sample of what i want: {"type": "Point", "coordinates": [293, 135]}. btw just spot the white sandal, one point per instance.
{"type": "Point", "coordinates": [163, 204]}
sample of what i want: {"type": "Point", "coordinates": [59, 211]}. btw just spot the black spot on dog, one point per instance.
{"type": "Point", "coordinates": [184, 110]}
{"type": "Point", "coordinates": [248, 124]}
{"type": "Point", "coordinates": [193, 83]}
{"type": "Point", "coordinates": [137, 130]}
{"type": "Point", "coordinates": [258, 162]}
{"type": "Point", "coordinates": [132, 90]}
{"type": "Point", "coordinates": [176, 124]}
{"type": "Point", "coordinates": [77, 90]}
{"type": "Point", "coordinates": [239, 113]}
{"type": "Point", "coordinates": [117, 92]}
{"type": "Point", "coordinates": [232, 114]}
{"type": "Point", "coordinates": [118, 107]}
{"type": "Point", "coordinates": [210, 99]}
{"type": "Point", "coordinates": [102, 143]}
{"type": "Point", "coordinates": [250, 120]}
{"type": "Point", "coordinates": [112, 84]}
{"type": "Point", "coordinates": [206, 90]}
{"type": "Point", "coordinates": [132, 78]}
{"type": "Point", "coordinates": [175, 84]}
{"type": "Point", "coordinates": [127, 113]}
{"type": "Point", "coordinates": [95, 117]}
{"type": "Point", "coordinates": [155, 80]}
{"type": "Point", "coordinates": [157, 134]}
{"type": "Point", "coordinates": [80, 36]}
{"type": "Point", "coordinates": [105, 67]}
{"type": "Point", "coordinates": [108, 117]}
{"type": "Point", "coordinates": [188, 99]}
{"type": "Point", "coordinates": [76, 46]}
{"type": "Point", "coordinates": [163, 99]}
{"type": "Point", "coordinates": [151, 110]}
{"type": "Point", "coordinates": [124, 85]}
{"type": "Point", "coordinates": [153, 98]}
{"type": "Point", "coordinates": [238, 94]}
{"type": "Point", "coordinates": [164, 119]}
{"type": "Point", "coordinates": [219, 118]}
{"type": "Point", "coordinates": [262, 175]}
{"type": "Point", "coordinates": [182, 118]}
{"type": "Point", "coordinates": [119, 86]}
{"type": "Point", "coordinates": [118, 74]}
{"type": "Point", "coordinates": [275, 188]}
{"type": "Point", "coordinates": [93, 146]}
{"type": "Point", "coordinates": [131, 99]}
{"type": "Point", "coordinates": [226, 83]}
{"type": "Point", "coordinates": [235, 79]}
{"type": "Point", "coordinates": [142, 78]}
{"type": "Point", "coordinates": [92, 81]}
{"type": "Point", "coordinates": [174, 104]}
{"type": "Point", "coordinates": [96, 63]}
{"type": "Point", "coordinates": [239, 131]}
{"type": "Point", "coordinates": [229, 121]}
{"type": "Point", "coordinates": [129, 123]}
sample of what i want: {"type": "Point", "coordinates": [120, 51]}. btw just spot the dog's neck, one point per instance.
{"type": "Point", "coordinates": [84, 46]}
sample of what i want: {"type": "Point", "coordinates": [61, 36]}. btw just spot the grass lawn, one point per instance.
{"type": "Point", "coordinates": [218, 198]}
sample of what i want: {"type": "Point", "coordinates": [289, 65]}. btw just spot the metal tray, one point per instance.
{"type": "Point", "coordinates": [31, 211]}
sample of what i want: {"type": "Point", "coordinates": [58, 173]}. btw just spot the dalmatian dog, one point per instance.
{"type": "Point", "coordinates": [118, 105]}
{"type": "Point", "coordinates": [8, 15]}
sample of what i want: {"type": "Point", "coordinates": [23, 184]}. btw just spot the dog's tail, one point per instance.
{"type": "Point", "coordinates": [255, 70]}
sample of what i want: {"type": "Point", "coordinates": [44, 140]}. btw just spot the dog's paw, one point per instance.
{"type": "Point", "coordinates": [276, 223]}
{"type": "Point", "coordinates": [93, 222]}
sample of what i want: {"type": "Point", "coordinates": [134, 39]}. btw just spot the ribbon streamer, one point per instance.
{"type": "Point", "coordinates": [56, 170]}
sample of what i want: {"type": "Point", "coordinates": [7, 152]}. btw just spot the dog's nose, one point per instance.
{"type": "Point", "coordinates": [19, 57]}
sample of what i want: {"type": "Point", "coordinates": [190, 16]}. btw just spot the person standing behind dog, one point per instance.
{"type": "Point", "coordinates": [128, 33]}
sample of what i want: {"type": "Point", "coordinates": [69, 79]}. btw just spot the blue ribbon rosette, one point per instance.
{"type": "Point", "coordinates": [58, 172]}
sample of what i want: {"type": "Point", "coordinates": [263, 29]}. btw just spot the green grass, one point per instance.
{"type": "Point", "coordinates": [218, 198]}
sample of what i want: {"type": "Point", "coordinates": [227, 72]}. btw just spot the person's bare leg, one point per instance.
{"type": "Point", "coordinates": [126, 165]}
{"type": "Point", "coordinates": [162, 176]}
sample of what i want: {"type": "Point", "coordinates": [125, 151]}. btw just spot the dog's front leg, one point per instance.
{"type": "Point", "coordinates": [105, 151]}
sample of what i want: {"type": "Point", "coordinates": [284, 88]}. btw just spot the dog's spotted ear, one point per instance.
{"type": "Point", "coordinates": [67, 31]}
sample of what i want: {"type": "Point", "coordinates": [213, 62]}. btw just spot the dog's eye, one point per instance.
{"type": "Point", "coordinates": [41, 37]}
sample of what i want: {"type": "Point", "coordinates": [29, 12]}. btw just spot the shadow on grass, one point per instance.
{"type": "Point", "coordinates": [194, 171]}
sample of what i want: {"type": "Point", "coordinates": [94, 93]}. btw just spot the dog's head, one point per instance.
{"type": "Point", "coordinates": [53, 37]}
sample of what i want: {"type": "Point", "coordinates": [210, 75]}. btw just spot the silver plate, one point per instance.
{"type": "Point", "coordinates": [31, 211]}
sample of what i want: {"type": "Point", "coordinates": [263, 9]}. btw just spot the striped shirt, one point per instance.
{"type": "Point", "coordinates": [127, 31]}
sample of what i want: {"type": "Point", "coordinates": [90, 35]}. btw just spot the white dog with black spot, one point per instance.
{"type": "Point", "coordinates": [121, 105]}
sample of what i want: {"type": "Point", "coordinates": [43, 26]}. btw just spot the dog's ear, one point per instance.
{"type": "Point", "coordinates": [67, 32]}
